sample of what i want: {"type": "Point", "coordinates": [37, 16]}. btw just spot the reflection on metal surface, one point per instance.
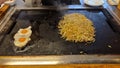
{"type": "Point", "coordinates": [52, 60]}
{"type": "Point", "coordinates": [4, 21]}
{"type": "Point", "coordinates": [114, 12]}
{"type": "Point", "coordinates": [31, 63]}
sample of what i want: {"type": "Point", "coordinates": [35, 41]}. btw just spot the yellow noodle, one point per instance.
{"type": "Point", "coordinates": [76, 27]}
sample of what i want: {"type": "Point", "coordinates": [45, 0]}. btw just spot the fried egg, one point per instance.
{"type": "Point", "coordinates": [21, 41]}
{"type": "Point", "coordinates": [22, 37]}
{"type": "Point", "coordinates": [26, 32]}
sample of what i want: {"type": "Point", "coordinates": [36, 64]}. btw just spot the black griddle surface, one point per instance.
{"type": "Point", "coordinates": [45, 39]}
{"type": "Point", "coordinates": [60, 2]}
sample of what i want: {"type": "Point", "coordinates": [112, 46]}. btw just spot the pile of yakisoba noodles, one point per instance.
{"type": "Point", "coordinates": [77, 28]}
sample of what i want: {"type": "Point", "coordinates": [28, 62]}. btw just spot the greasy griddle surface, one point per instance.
{"type": "Point", "coordinates": [60, 2]}
{"type": "Point", "coordinates": [45, 39]}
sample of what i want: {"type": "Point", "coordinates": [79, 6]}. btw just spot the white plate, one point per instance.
{"type": "Point", "coordinates": [2, 5]}
{"type": "Point", "coordinates": [10, 2]}
{"type": "Point", "coordinates": [94, 2]}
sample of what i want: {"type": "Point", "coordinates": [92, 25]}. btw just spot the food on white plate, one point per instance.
{"type": "Point", "coordinates": [77, 27]}
{"type": "Point", "coordinates": [21, 41]}
{"type": "Point", "coordinates": [94, 2]}
{"type": "Point", "coordinates": [22, 37]}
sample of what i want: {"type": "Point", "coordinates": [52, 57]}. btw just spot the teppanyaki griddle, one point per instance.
{"type": "Point", "coordinates": [46, 40]}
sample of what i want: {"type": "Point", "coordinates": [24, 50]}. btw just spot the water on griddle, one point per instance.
{"type": "Point", "coordinates": [45, 39]}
